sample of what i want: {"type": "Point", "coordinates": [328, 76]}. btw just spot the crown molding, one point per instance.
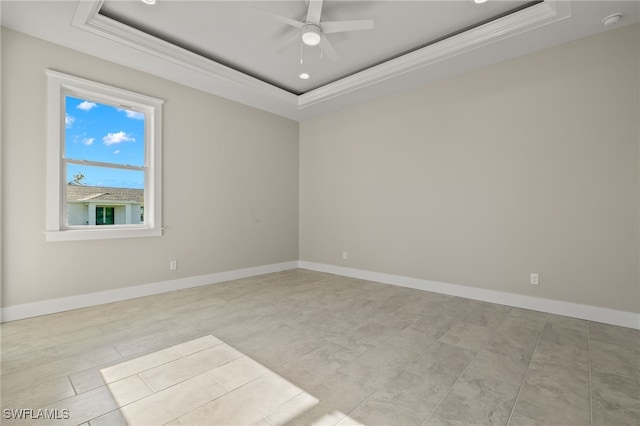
{"type": "Point", "coordinates": [513, 24]}
{"type": "Point", "coordinates": [88, 18]}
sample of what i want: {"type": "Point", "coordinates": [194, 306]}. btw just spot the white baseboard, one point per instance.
{"type": "Point", "coordinates": [574, 310]}
{"type": "Point", "coordinates": [28, 310]}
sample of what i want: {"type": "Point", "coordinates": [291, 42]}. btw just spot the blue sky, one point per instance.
{"type": "Point", "coordinates": [100, 132]}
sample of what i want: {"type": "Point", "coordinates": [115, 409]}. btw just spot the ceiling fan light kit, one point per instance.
{"type": "Point", "coordinates": [311, 35]}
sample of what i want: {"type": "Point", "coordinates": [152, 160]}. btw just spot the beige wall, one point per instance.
{"type": "Point", "coordinates": [532, 165]}
{"type": "Point", "coordinates": [230, 184]}
{"type": "Point", "coordinates": [526, 166]}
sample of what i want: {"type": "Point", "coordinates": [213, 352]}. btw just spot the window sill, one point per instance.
{"type": "Point", "coordinates": [102, 234]}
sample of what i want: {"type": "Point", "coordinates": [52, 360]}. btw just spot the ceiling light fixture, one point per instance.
{"type": "Point", "coordinates": [311, 35]}
{"type": "Point", "coordinates": [304, 76]}
{"type": "Point", "coordinates": [150, 2]}
{"type": "Point", "coordinates": [479, 1]}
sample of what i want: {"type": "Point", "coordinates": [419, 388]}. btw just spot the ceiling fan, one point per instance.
{"type": "Point", "coordinates": [313, 30]}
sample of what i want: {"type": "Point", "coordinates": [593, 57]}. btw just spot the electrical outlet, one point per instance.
{"type": "Point", "coordinates": [534, 280]}
{"type": "Point", "coordinates": [344, 255]}
{"type": "Point", "coordinates": [173, 265]}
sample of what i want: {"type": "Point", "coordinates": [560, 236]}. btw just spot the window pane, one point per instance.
{"type": "Point", "coordinates": [82, 175]}
{"type": "Point", "coordinates": [100, 132]}
{"type": "Point", "coordinates": [104, 196]}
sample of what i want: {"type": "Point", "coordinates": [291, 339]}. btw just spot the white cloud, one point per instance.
{"type": "Point", "coordinates": [115, 138]}
{"type": "Point", "coordinates": [68, 120]}
{"type": "Point", "coordinates": [86, 105]}
{"type": "Point", "coordinates": [132, 114]}
{"type": "Point", "coordinates": [88, 141]}
{"type": "Point", "coordinates": [116, 152]}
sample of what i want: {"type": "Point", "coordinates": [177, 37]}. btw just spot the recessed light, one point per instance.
{"type": "Point", "coordinates": [612, 19]}
{"type": "Point", "coordinates": [479, 1]}
{"type": "Point", "coordinates": [150, 2]}
{"type": "Point", "coordinates": [304, 76]}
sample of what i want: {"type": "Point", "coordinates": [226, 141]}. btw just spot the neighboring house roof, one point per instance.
{"type": "Point", "coordinates": [77, 193]}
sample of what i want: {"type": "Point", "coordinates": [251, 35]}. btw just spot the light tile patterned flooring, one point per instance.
{"type": "Point", "coordinates": [301, 347]}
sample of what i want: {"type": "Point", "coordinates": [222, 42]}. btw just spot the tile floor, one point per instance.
{"type": "Point", "coordinates": [301, 347]}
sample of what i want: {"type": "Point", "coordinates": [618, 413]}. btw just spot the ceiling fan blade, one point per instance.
{"type": "Point", "coordinates": [343, 26]}
{"type": "Point", "coordinates": [314, 12]}
{"type": "Point", "coordinates": [328, 49]}
{"type": "Point", "coordinates": [281, 18]}
{"type": "Point", "coordinates": [289, 41]}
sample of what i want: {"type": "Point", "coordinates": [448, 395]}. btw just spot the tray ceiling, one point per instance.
{"type": "Point", "coordinates": [228, 48]}
{"type": "Point", "coordinates": [236, 34]}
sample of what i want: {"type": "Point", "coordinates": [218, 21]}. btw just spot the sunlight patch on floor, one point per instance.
{"type": "Point", "coordinates": [206, 381]}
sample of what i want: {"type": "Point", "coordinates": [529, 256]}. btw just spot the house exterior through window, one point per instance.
{"type": "Point", "coordinates": [95, 205]}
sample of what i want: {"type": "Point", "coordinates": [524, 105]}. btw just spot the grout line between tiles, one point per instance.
{"type": "Point", "coordinates": [44, 404]}
{"type": "Point", "coordinates": [208, 373]}
{"type": "Point", "coordinates": [524, 378]}
{"type": "Point", "coordinates": [218, 381]}
{"type": "Point", "coordinates": [103, 414]}
{"type": "Point", "coordinates": [197, 408]}
{"type": "Point", "coordinates": [72, 387]}
{"type": "Point", "coordinates": [132, 358]}
{"type": "Point", "coordinates": [145, 382]}
{"type": "Point", "coordinates": [200, 406]}
{"type": "Point", "coordinates": [116, 349]}
{"type": "Point", "coordinates": [364, 400]}
{"type": "Point", "coordinates": [295, 396]}
{"type": "Point", "coordinates": [449, 390]}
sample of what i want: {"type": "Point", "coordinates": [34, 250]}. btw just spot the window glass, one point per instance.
{"type": "Point", "coordinates": [98, 132]}
{"type": "Point", "coordinates": [104, 158]}
{"type": "Point", "coordinates": [104, 176]}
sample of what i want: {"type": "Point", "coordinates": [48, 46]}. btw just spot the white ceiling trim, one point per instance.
{"type": "Point", "coordinates": [87, 18]}
{"type": "Point", "coordinates": [527, 19]}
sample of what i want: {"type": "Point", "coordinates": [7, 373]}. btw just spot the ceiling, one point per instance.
{"type": "Point", "coordinates": [228, 48]}
{"type": "Point", "coordinates": [238, 35]}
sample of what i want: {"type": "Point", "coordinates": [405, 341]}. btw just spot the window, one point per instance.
{"type": "Point", "coordinates": [103, 161]}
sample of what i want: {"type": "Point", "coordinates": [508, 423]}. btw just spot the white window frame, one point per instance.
{"type": "Point", "coordinates": [60, 85]}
